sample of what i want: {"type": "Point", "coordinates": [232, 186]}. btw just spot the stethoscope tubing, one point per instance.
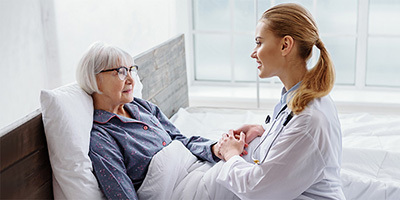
{"type": "Point", "coordinates": [277, 118]}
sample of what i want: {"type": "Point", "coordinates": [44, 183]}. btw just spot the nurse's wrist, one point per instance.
{"type": "Point", "coordinates": [228, 155]}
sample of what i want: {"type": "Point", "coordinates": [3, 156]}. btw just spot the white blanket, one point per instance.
{"type": "Point", "coordinates": [370, 164]}
{"type": "Point", "coordinates": [371, 156]}
{"type": "Point", "coordinates": [371, 146]}
{"type": "Point", "coordinates": [175, 173]}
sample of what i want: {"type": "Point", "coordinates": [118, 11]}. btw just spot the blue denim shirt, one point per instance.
{"type": "Point", "coordinates": [121, 148]}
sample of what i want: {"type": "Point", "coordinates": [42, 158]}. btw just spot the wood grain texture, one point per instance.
{"type": "Point", "coordinates": [26, 178]}
{"type": "Point", "coordinates": [162, 71]}
{"type": "Point", "coordinates": [25, 166]}
{"type": "Point", "coordinates": [22, 141]}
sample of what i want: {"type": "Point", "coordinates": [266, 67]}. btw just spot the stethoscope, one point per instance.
{"type": "Point", "coordinates": [282, 113]}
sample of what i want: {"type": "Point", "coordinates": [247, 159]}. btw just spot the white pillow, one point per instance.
{"type": "Point", "coordinates": [67, 114]}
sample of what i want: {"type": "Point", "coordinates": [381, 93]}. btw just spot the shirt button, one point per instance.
{"type": "Point", "coordinates": [145, 127]}
{"type": "Point", "coordinates": [164, 143]}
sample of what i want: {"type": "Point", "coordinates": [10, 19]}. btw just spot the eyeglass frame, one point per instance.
{"type": "Point", "coordinates": [119, 68]}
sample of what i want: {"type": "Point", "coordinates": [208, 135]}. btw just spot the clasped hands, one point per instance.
{"type": "Point", "coordinates": [235, 141]}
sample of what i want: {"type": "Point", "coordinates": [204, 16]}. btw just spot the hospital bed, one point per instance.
{"type": "Point", "coordinates": [371, 152]}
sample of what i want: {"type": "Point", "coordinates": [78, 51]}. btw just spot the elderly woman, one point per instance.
{"type": "Point", "coordinates": [127, 131]}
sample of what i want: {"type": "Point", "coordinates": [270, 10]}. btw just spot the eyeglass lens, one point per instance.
{"type": "Point", "coordinates": [122, 72]}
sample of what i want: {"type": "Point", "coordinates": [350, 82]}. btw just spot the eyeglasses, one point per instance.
{"type": "Point", "coordinates": [123, 71]}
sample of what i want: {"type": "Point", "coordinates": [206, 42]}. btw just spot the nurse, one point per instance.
{"type": "Point", "coordinates": [298, 155]}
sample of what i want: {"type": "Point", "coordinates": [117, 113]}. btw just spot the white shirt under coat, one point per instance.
{"type": "Point", "coordinates": [303, 163]}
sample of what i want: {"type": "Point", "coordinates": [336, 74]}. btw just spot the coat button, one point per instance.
{"type": "Point", "coordinates": [164, 143]}
{"type": "Point", "coordinates": [145, 127]}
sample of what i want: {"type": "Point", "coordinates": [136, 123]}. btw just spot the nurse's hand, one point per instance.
{"type": "Point", "coordinates": [250, 130]}
{"type": "Point", "coordinates": [230, 146]}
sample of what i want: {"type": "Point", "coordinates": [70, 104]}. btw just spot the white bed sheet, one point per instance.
{"type": "Point", "coordinates": [371, 145]}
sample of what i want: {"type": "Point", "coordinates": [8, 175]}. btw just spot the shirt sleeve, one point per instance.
{"type": "Point", "coordinates": [109, 167]}
{"type": "Point", "coordinates": [292, 166]}
{"type": "Point", "coordinates": [199, 146]}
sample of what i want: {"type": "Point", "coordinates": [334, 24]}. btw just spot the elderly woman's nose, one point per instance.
{"type": "Point", "coordinates": [130, 78]}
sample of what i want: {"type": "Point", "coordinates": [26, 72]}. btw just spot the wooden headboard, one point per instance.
{"type": "Point", "coordinates": [162, 70]}
{"type": "Point", "coordinates": [25, 167]}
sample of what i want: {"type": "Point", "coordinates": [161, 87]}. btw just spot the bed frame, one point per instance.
{"type": "Point", "coordinates": [25, 171]}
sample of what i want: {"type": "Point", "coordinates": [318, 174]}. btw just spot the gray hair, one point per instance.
{"type": "Point", "coordinates": [98, 57]}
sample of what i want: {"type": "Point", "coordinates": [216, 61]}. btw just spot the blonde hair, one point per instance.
{"type": "Point", "coordinates": [98, 57]}
{"type": "Point", "coordinates": [294, 20]}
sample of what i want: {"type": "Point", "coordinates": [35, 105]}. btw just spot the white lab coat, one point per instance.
{"type": "Point", "coordinates": [303, 163]}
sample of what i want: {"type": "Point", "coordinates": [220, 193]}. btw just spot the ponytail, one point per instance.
{"type": "Point", "coordinates": [316, 83]}
{"type": "Point", "coordinates": [294, 20]}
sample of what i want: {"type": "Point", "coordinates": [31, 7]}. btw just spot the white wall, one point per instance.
{"type": "Point", "coordinates": [43, 40]}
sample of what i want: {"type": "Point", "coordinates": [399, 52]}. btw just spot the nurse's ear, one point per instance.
{"type": "Point", "coordinates": [287, 44]}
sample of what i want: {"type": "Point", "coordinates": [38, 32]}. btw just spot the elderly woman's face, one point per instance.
{"type": "Point", "coordinates": [114, 90]}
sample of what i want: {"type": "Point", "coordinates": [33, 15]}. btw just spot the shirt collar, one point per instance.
{"type": "Point", "coordinates": [290, 92]}
{"type": "Point", "coordinates": [102, 116]}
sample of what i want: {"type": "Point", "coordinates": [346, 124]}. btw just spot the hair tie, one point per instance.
{"type": "Point", "coordinates": [319, 44]}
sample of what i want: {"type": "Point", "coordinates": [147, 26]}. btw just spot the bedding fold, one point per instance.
{"type": "Point", "coordinates": [175, 173]}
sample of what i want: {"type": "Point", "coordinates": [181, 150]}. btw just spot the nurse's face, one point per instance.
{"type": "Point", "coordinates": [114, 90]}
{"type": "Point", "coordinates": [267, 51]}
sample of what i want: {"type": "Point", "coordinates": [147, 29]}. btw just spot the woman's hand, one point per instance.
{"type": "Point", "coordinates": [215, 149]}
{"type": "Point", "coordinates": [250, 130]}
{"type": "Point", "coordinates": [229, 146]}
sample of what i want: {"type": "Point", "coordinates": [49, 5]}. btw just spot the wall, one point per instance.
{"type": "Point", "coordinates": [43, 40]}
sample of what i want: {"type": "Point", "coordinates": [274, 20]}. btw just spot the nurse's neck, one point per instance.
{"type": "Point", "coordinates": [294, 74]}
{"type": "Point", "coordinates": [289, 86]}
